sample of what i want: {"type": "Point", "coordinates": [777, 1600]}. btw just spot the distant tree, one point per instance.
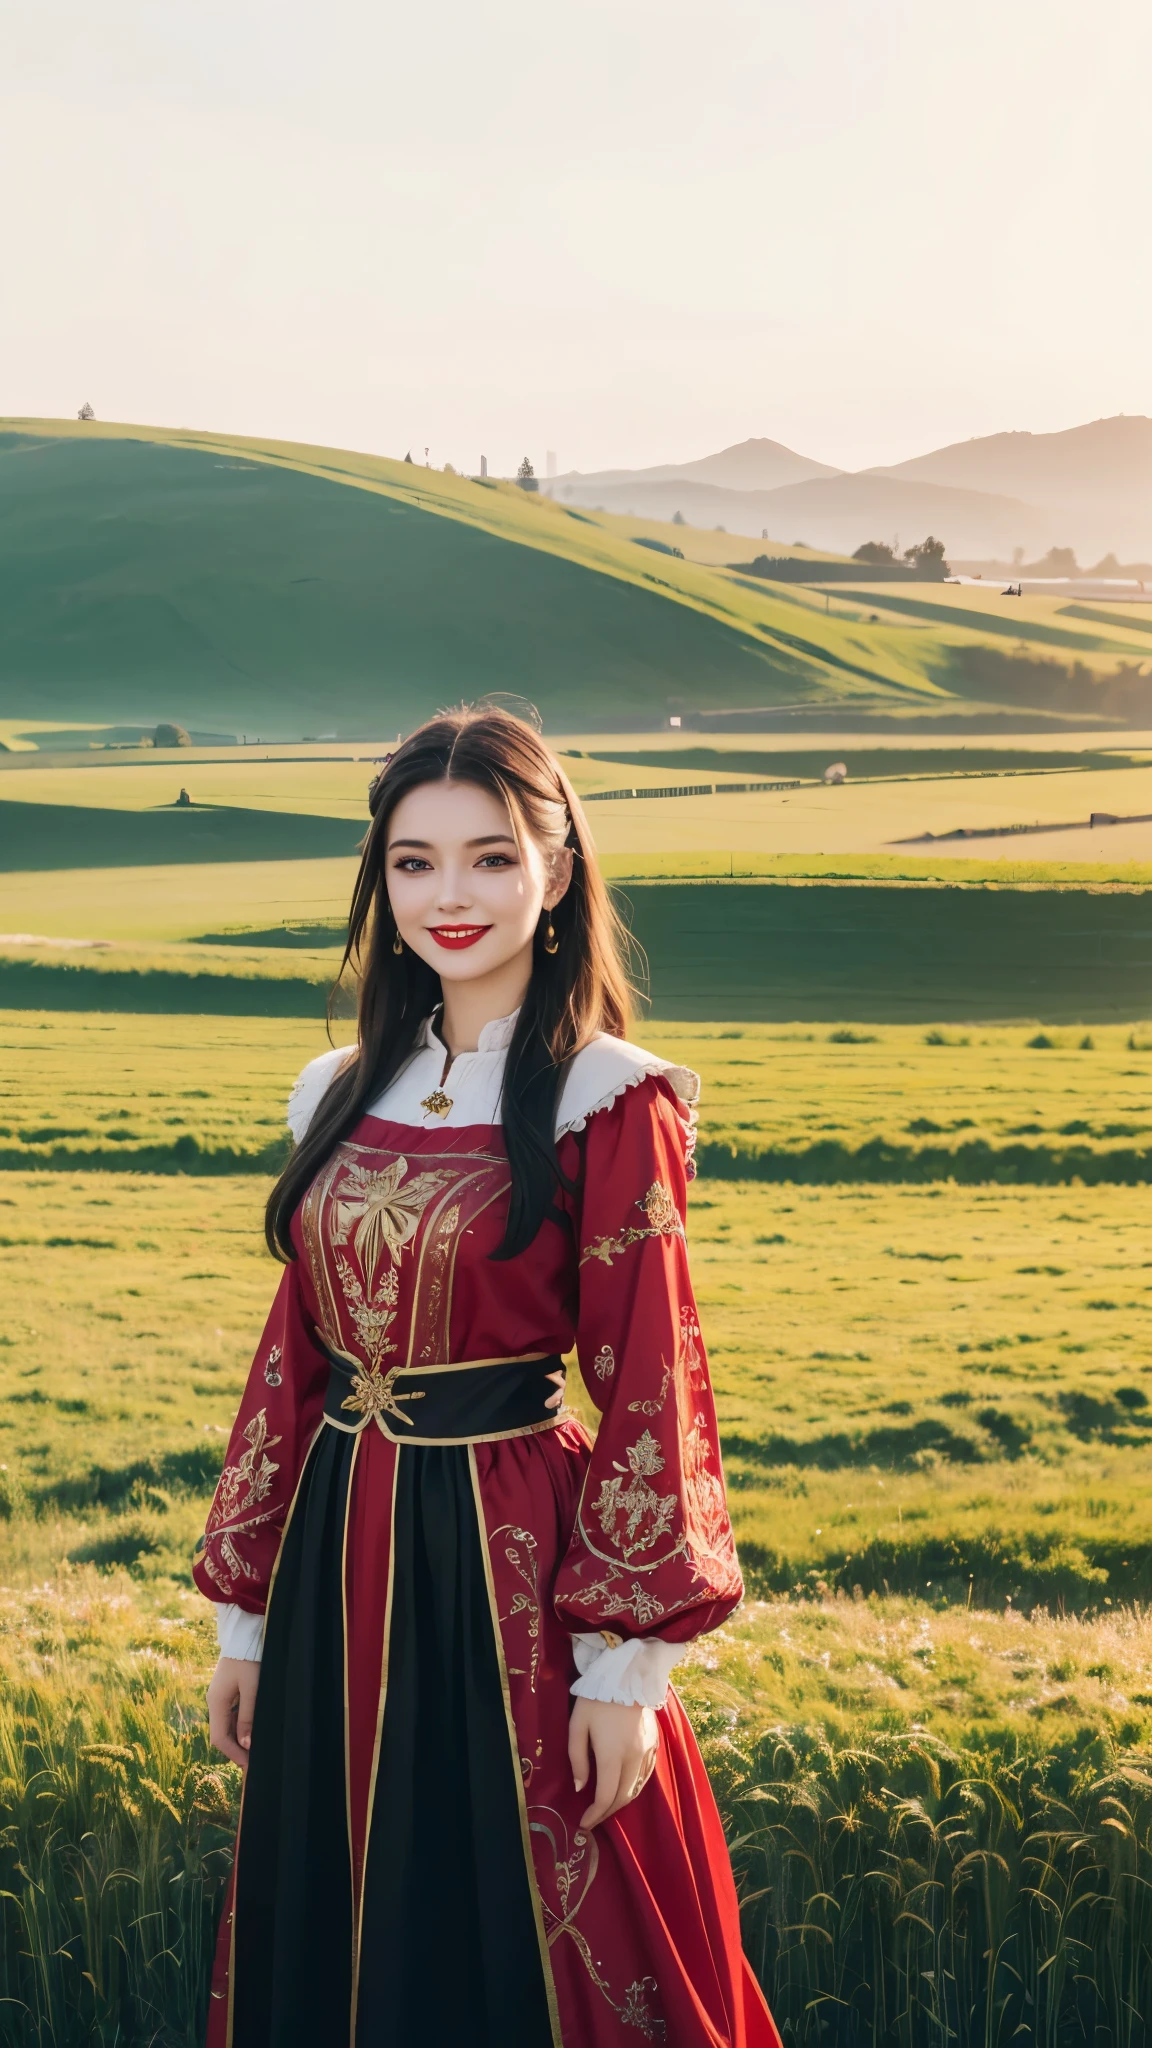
{"type": "Point", "coordinates": [171, 736]}
{"type": "Point", "coordinates": [525, 471]}
{"type": "Point", "coordinates": [408, 457]}
{"type": "Point", "coordinates": [719, 529]}
{"type": "Point", "coordinates": [876, 553]}
{"type": "Point", "coordinates": [927, 559]}
{"type": "Point", "coordinates": [448, 469]}
{"type": "Point", "coordinates": [1060, 562]}
{"type": "Point", "coordinates": [678, 519]}
{"type": "Point", "coordinates": [85, 412]}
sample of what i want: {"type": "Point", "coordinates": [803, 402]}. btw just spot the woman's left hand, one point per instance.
{"type": "Point", "coordinates": [624, 1741]}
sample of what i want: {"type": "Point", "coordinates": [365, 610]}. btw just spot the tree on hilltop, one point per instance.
{"type": "Point", "coordinates": [876, 553]}
{"type": "Point", "coordinates": [171, 736]}
{"type": "Point", "coordinates": [85, 412]}
{"type": "Point", "coordinates": [526, 476]}
{"type": "Point", "coordinates": [926, 558]}
{"type": "Point", "coordinates": [1060, 562]}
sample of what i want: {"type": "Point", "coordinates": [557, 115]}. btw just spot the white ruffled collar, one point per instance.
{"type": "Point", "coordinates": [595, 1078]}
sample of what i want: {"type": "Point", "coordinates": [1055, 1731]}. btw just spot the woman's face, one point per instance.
{"type": "Point", "coordinates": [465, 895]}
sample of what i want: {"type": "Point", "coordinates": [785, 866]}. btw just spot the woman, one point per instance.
{"type": "Point", "coordinates": [439, 1846]}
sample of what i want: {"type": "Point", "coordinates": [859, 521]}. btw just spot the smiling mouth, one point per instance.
{"type": "Point", "coordinates": [457, 935]}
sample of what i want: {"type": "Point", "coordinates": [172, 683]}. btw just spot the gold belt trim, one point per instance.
{"type": "Point", "coordinates": [387, 1398]}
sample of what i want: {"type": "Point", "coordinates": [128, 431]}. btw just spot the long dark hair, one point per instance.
{"type": "Point", "coordinates": [575, 992]}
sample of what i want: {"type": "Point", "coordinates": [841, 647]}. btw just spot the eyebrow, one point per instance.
{"type": "Point", "coordinates": [425, 845]}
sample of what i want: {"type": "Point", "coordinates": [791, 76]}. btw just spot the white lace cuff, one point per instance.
{"type": "Point", "coordinates": [239, 1633]}
{"type": "Point", "coordinates": [632, 1674]}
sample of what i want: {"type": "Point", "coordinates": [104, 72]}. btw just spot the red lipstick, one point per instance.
{"type": "Point", "coordinates": [456, 936]}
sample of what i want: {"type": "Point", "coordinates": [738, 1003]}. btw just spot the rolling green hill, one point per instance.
{"type": "Point", "coordinates": [226, 582]}
{"type": "Point", "coordinates": [263, 587]}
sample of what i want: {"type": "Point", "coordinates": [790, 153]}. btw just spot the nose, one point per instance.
{"type": "Point", "coordinates": [455, 893]}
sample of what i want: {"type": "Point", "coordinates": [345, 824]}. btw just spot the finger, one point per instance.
{"type": "Point", "coordinates": [220, 1723]}
{"type": "Point", "coordinates": [626, 1792]}
{"type": "Point", "coordinates": [607, 1787]}
{"type": "Point", "coordinates": [634, 1779]}
{"type": "Point", "coordinates": [578, 1755]}
{"type": "Point", "coordinates": [555, 1399]}
{"type": "Point", "coordinates": [245, 1709]}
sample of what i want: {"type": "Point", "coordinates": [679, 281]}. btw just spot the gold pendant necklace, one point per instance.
{"type": "Point", "coordinates": [437, 1104]}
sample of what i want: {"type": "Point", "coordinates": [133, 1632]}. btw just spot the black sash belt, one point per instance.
{"type": "Point", "coordinates": [476, 1402]}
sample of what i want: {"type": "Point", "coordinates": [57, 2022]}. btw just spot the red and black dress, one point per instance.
{"type": "Point", "coordinates": [442, 1561]}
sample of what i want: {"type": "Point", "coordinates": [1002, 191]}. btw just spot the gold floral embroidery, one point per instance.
{"type": "Point", "coordinates": [711, 1545]}
{"type": "Point", "coordinates": [689, 1360]}
{"type": "Point", "coordinates": [604, 1363]}
{"type": "Point", "coordinates": [573, 1875]}
{"type": "Point", "coordinates": [272, 1373]}
{"type": "Point", "coordinates": [611, 1599]}
{"type": "Point", "coordinates": [252, 1474]}
{"type": "Point", "coordinates": [385, 1209]}
{"type": "Point", "coordinates": [445, 1231]}
{"type": "Point", "coordinates": [708, 1530]}
{"type": "Point", "coordinates": [520, 1551]}
{"type": "Point", "coordinates": [634, 2011]}
{"type": "Point", "coordinates": [664, 1220]}
{"type": "Point", "coordinates": [373, 1393]}
{"type": "Point", "coordinates": [647, 1514]}
{"type": "Point", "coordinates": [372, 1318]}
{"type": "Point", "coordinates": [653, 1406]}
{"type": "Point", "coordinates": [242, 1487]}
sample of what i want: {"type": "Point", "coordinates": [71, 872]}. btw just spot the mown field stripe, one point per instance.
{"type": "Point", "coordinates": [827, 1163]}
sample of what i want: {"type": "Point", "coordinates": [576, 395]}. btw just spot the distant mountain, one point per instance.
{"type": "Point", "coordinates": [1089, 488]}
{"type": "Point", "coordinates": [835, 512]}
{"type": "Point", "coordinates": [839, 512]}
{"type": "Point", "coordinates": [1094, 482]}
{"type": "Point", "coordinates": [1109, 461]}
{"type": "Point", "coordinates": [757, 465]}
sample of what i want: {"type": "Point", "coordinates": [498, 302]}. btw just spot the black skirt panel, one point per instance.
{"type": "Point", "coordinates": [450, 1955]}
{"type": "Point", "coordinates": [449, 1945]}
{"type": "Point", "coordinates": [292, 1942]}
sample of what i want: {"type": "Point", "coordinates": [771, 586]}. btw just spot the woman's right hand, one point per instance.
{"type": "Point", "coordinates": [231, 1701]}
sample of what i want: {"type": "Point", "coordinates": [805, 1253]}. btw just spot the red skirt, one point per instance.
{"type": "Point", "coordinates": [410, 1870]}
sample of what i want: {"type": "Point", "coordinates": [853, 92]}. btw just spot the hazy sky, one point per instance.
{"type": "Point", "coordinates": [629, 230]}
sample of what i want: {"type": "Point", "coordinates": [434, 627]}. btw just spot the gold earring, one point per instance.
{"type": "Point", "coordinates": [551, 942]}
{"type": "Point", "coordinates": [397, 945]}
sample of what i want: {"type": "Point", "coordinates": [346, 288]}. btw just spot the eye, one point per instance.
{"type": "Point", "coordinates": [413, 864]}
{"type": "Point", "coordinates": [496, 860]}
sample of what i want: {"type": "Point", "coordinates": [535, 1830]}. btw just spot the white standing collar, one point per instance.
{"type": "Point", "coordinates": [495, 1037]}
{"type": "Point", "coordinates": [596, 1077]}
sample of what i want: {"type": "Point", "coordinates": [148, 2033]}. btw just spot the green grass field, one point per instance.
{"type": "Point", "coordinates": [935, 1406]}
{"type": "Point", "coordinates": [757, 950]}
{"type": "Point", "coordinates": [985, 1347]}
{"type": "Point", "coordinates": [919, 1245]}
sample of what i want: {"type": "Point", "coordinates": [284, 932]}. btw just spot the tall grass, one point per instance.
{"type": "Point", "coordinates": [897, 1892]}
{"type": "Point", "coordinates": [905, 1893]}
{"type": "Point", "coordinates": [115, 1843]}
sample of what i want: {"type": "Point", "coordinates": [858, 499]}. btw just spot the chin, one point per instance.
{"type": "Point", "coordinates": [470, 962]}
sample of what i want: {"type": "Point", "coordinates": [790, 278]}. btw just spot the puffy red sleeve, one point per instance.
{"type": "Point", "coordinates": [652, 1551]}
{"type": "Point", "coordinates": [278, 1418]}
